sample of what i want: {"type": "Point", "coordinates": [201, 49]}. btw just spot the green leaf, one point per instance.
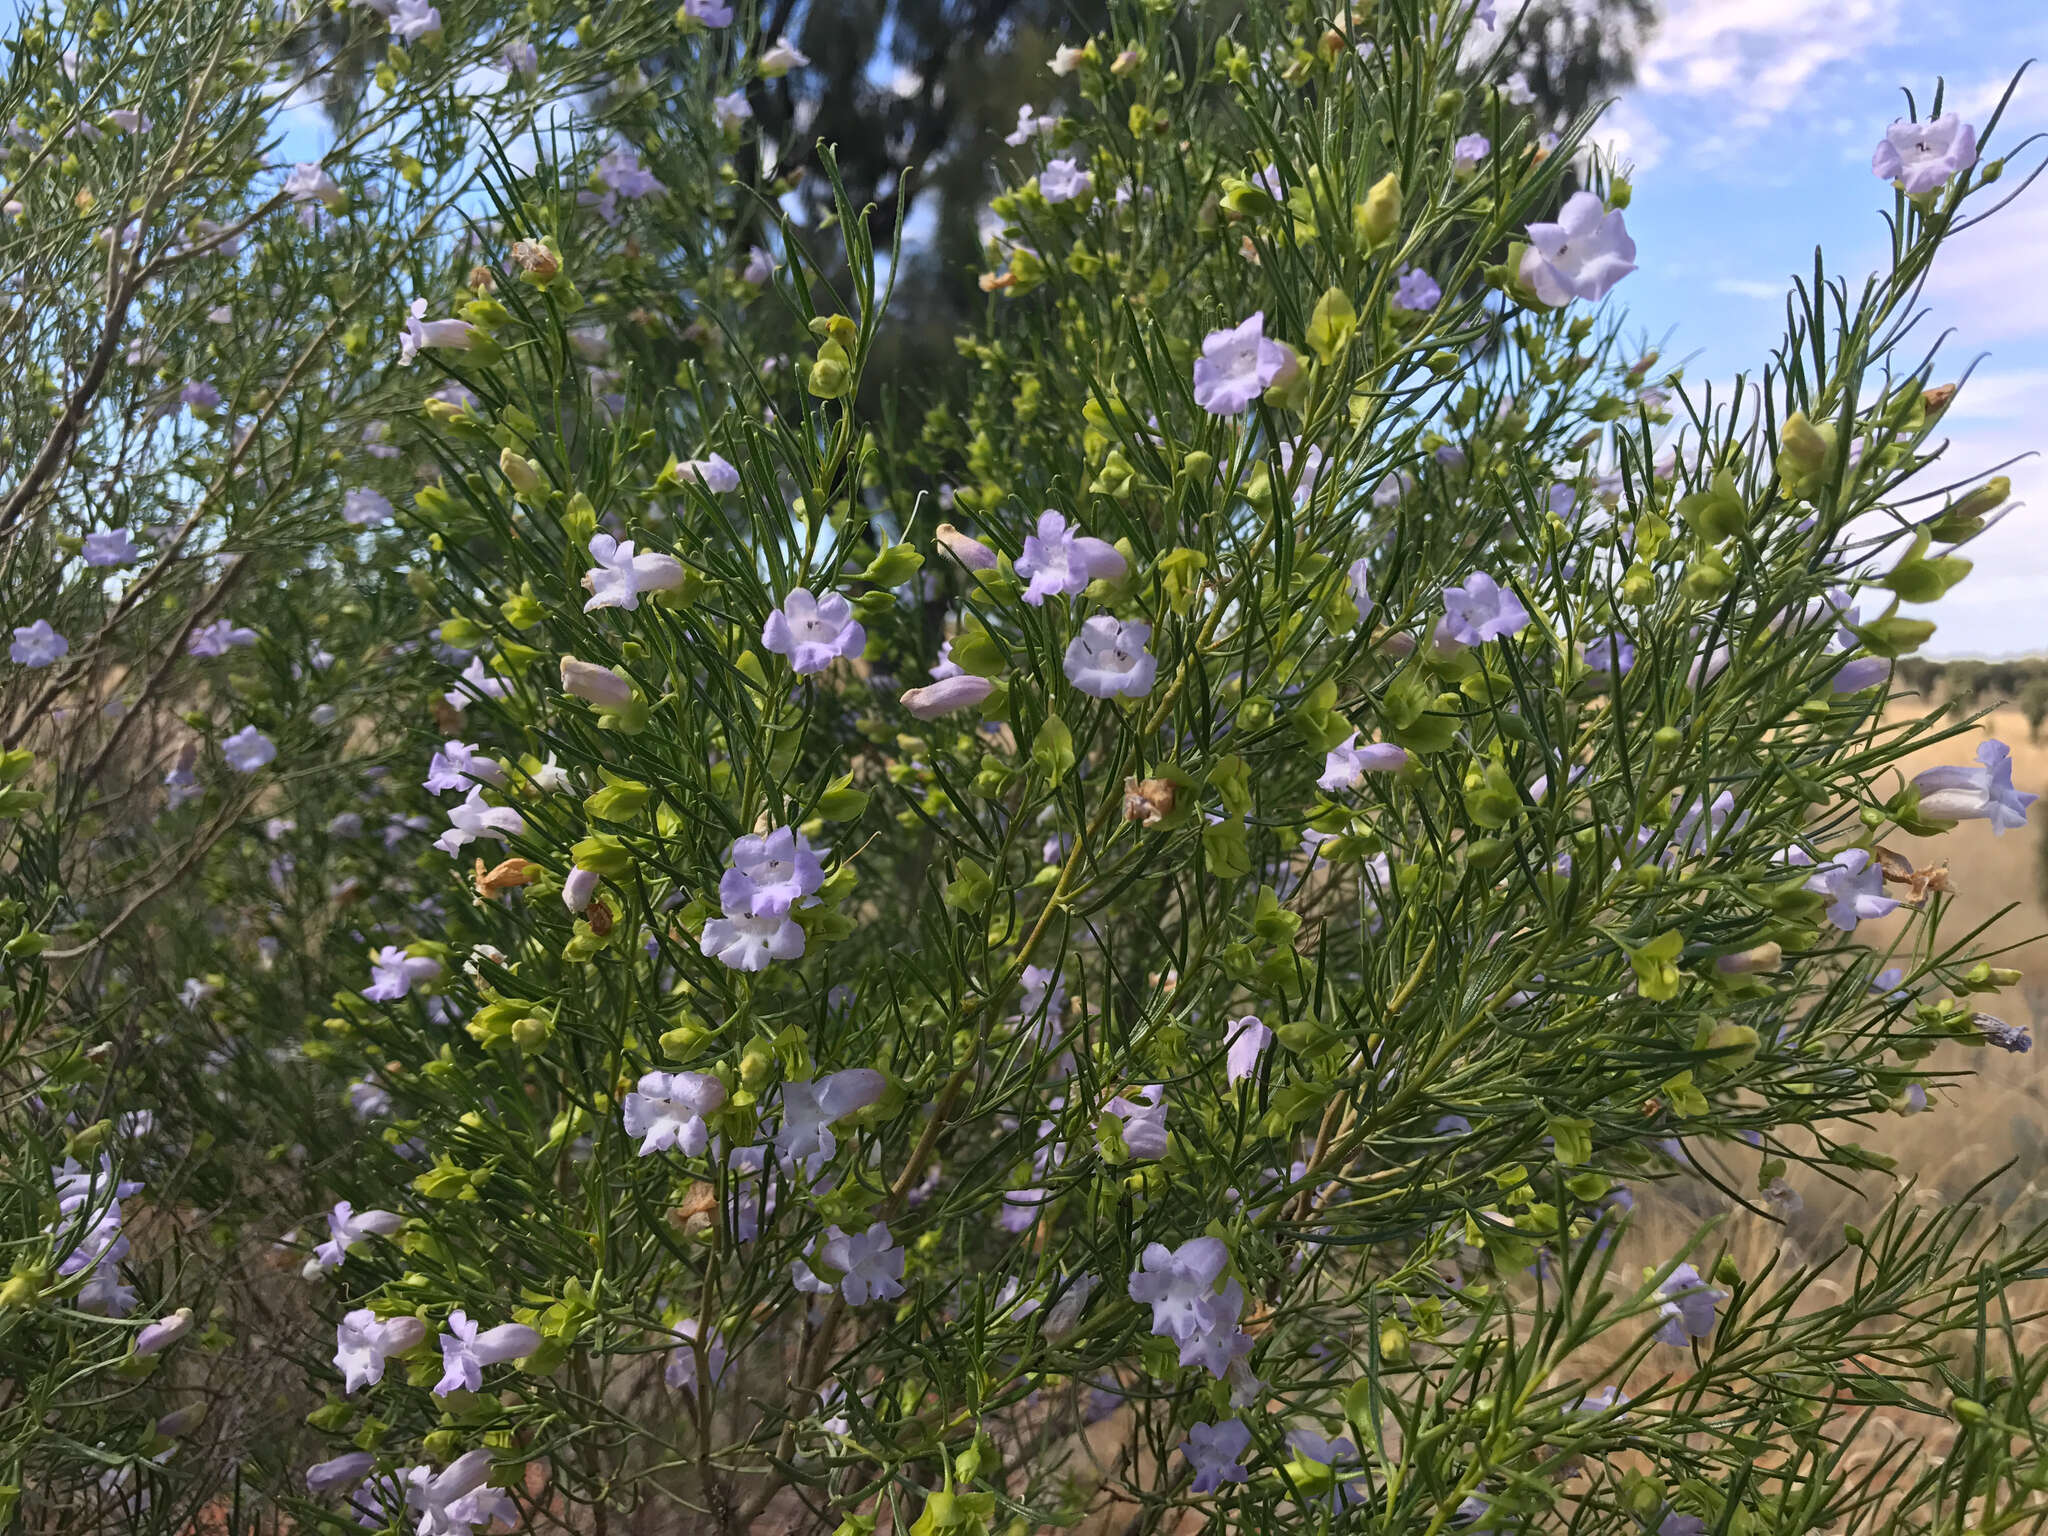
{"type": "Point", "coordinates": [1052, 750]}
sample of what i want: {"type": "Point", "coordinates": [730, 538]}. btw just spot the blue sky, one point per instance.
{"type": "Point", "coordinates": [1751, 125]}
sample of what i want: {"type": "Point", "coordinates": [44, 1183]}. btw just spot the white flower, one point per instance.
{"type": "Point", "coordinates": [620, 576]}
{"type": "Point", "coordinates": [308, 182]}
{"type": "Point", "coordinates": [476, 817]}
{"type": "Point", "coordinates": [1065, 60]}
{"type": "Point", "coordinates": [1030, 125]}
{"type": "Point", "coordinates": [750, 943]}
{"type": "Point", "coordinates": [365, 508]}
{"type": "Point", "coordinates": [414, 20]}
{"type": "Point", "coordinates": [782, 58]}
{"type": "Point", "coordinates": [668, 1111]}
{"type": "Point", "coordinates": [1062, 181]}
{"type": "Point", "coordinates": [1108, 658]}
{"type": "Point", "coordinates": [731, 109]}
{"type": "Point", "coordinates": [362, 1344]}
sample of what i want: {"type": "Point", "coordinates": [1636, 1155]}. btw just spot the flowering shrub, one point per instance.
{"type": "Point", "coordinates": [802, 961]}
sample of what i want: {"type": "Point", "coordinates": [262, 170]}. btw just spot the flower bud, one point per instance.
{"type": "Point", "coordinates": [595, 684]}
{"type": "Point", "coordinates": [1379, 216]}
{"type": "Point", "coordinates": [579, 888]}
{"type": "Point", "coordinates": [947, 696]}
{"type": "Point", "coordinates": [181, 1421]}
{"type": "Point", "coordinates": [971, 553]}
{"type": "Point", "coordinates": [520, 473]}
{"type": "Point", "coordinates": [165, 1332]}
{"type": "Point", "coordinates": [404, 1334]}
{"type": "Point", "coordinates": [1760, 960]}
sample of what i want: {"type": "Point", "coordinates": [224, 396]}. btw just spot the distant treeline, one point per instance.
{"type": "Point", "coordinates": [2022, 683]}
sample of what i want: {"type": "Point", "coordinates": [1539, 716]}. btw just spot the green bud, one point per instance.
{"type": "Point", "coordinates": [893, 566]}
{"type": "Point", "coordinates": [523, 475]}
{"type": "Point", "coordinates": [1377, 218]}
{"type": "Point", "coordinates": [603, 855]}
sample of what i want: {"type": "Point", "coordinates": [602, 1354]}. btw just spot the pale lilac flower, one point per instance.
{"type": "Point", "coordinates": [809, 1110]}
{"type": "Point", "coordinates": [1248, 1041]}
{"type": "Point", "coordinates": [1853, 884]}
{"type": "Point", "coordinates": [368, 1101]}
{"type": "Point", "coordinates": [465, 1352]}
{"type": "Point", "coordinates": [622, 171]}
{"type": "Point", "coordinates": [681, 1373]}
{"type": "Point", "coordinates": [365, 508]}
{"type": "Point", "coordinates": [1391, 489]}
{"type": "Point", "coordinates": [1311, 1446]}
{"type": "Point", "coordinates": [782, 58]}
{"type": "Point", "coordinates": [2007, 1037]}
{"type": "Point", "coordinates": [343, 1472]}
{"type": "Point", "coordinates": [163, 1333]}
{"type": "Point", "coordinates": [768, 875]}
{"type": "Point", "coordinates": [130, 120]}
{"type": "Point", "coordinates": [1215, 1452]}
{"type": "Point", "coordinates": [476, 817]}
{"type": "Point", "coordinates": [457, 1500]}
{"type": "Point", "coordinates": [38, 645]}
{"type": "Point", "coordinates": [947, 696]}
{"type": "Point", "coordinates": [1479, 611]}
{"type": "Point", "coordinates": [712, 472]}
{"type": "Point", "coordinates": [248, 749]}
{"type": "Point", "coordinates": [1179, 1284]}
{"type": "Point", "coordinates": [1360, 579]}
{"type": "Point", "coordinates": [199, 397]}
{"type": "Point", "coordinates": [594, 684]}
{"type": "Point", "coordinates": [1416, 291]}
{"type": "Point", "coordinates": [972, 554]}
{"type": "Point", "coordinates": [870, 1264]}
{"type": "Point", "coordinates": [760, 268]}
{"type": "Point", "coordinates": [669, 1108]}
{"type": "Point", "coordinates": [394, 973]}
{"type": "Point", "coordinates": [1515, 90]}
{"type": "Point", "coordinates": [346, 1226]}
{"type": "Point", "coordinates": [1921, 156]}
{"type": "Point", "coordinates": [1688, 1306]}
{"type": "Point", "coordinates": [1030, 125]}
{"type": "Point", "coordinates": [1062, 181]}
{"type": "Point", "coordinates": [1585, 253]}
{"type": "Point", "coordinates": [520, 58]}
{"type": "Point", "coordinates": [750, 943]}
{"type": "Point", "coordinates": [307, 182]}
{"type": "Point", "coordinates": [1236, 366]}
{"type": "Point", "coordinates": [217, 638]}
{"type": "Point", "coordinates": [1962, 792]}
{"type": "Point", "coordinates": [113, 547]}
{"type": "Point", "coordinates": [579, 887]}
{"type": "Point", "coordinates": [1144, 1121]}
{"type": "Point", "coordinates": [476, 684]}
{"type": "Point", "coordinates": [414, 20]}
{"type": "Point", "coordinates": [1059, 561]}
{"type": "Point", "coordinates": [620, 576]}
{"type": "Point", "coordinates": [1610, 653]}
{"type": "Point", "coordinates": [1469, 151]}
{"type": "Point", "coordinates": [813, 631]}
{"type": "Point", "coordinates": [362, 1344]}
{"type": "Point", "coordinates": [1108, 658]}
{"type": "Point", "coordinates": [458, 765]}
{"type": "Point", "coordinates": [711, 13]}
{"type": "Point", "coordinates": [1346, 764]}
{"type": "Point", "coordinates": [454, 335]}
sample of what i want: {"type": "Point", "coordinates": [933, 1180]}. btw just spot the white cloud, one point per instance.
{"type": "Point", "coordinates": [1749, 287]}
{"type": "Point", "coordinates": [1627, 136]}
{"type": "Point", "coordinates": [1758, 56]}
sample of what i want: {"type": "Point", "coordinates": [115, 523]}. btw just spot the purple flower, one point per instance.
{"type": "Point", "coordinates": [414, 20]}
{"type": "Point", "coordinates": [711, 13]}
{"type": "Point", "coordinates": [199, 396]}
{"type": "Point", "coordinates": [1248, 1041]}
{"type": "Point", "coordinates": [1179, 1284]}
{"type": "Point", "coordinates": [713, 472]}
{"type": "Point", "coordinates": [1235, 367]}
{"type": "Point", "coordinates": [1062, 181]}
{"type": "Point", "coordinates": [465, 1352]}
{"type": "Point", "coordinates": [1479, 611]}
{"type": "Point", "coordinates": [947, 696]}
{"type": "Point", "coordinates": [1921, 156]}
{"type": "Point", "coordinates": [2007, 1037]}
{"type": "Point", "coordinates": [1585, 253]}
{"type": "Point", "coordinates": [809, 1110]}
{"type": "Point", "coordinates": [394, 973]}
{"type": "Point", "coordinates": [1609, 653]}
{"type": "Point", "coordinates": [217, 638]}
{"type": "Point", "coordinates": [1215, 1452]}
{"type": "Point", "coordinates": [771, 874]}
{"type": "Point", "coordinates": [1059, 561]}
{"type": "Point", "coordinates": [38, 645]}
{"type": "Point", "coordinates": [1360, 578]}
{"type": "Point", "coordinates": [163, 1333]}
{"type": "Point", "coordinates": [668, 1111]}
{"type": "Point", "coordinates": [1688, 1306]}
{"type": "Point", "coordinates": [365, 508]}
{"type": "Point", "coordinates": [682, 1360]}
{"type": "Point", "coordinates": [750, 943]}
{"type": "Point", "coordinates": [1347, 764]}
{"type": "Point", "coordinates": [1983, 792]}
{"type": "Point", "coordinates": [1469, 151]}
{"type": "Point", "coordinates": [248, 749]}
{"type": "Point", "coordinates": [344, 1471]}
{"type": "Point", "coordinates": [1416, 290]}
{"type": "Point", "coordinates": [458, 765]}
{"type": "Point", "coordinates": [113, 547]}
{"type": "Point", "coordinates": [813, 631]}
{"type": "Point", "coordinates": [1853, 884]}
{"type": "Point", "coordinates": [622, 171]}
{"type": "Point", "coordinates": [1108, 658]}
{"type": "Point", "coordinates": [346, 1226]}
{"type": "Point", "coordinates": [1144, 1121]}
{"type": "Point", "coordinates": [870, 1263]}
